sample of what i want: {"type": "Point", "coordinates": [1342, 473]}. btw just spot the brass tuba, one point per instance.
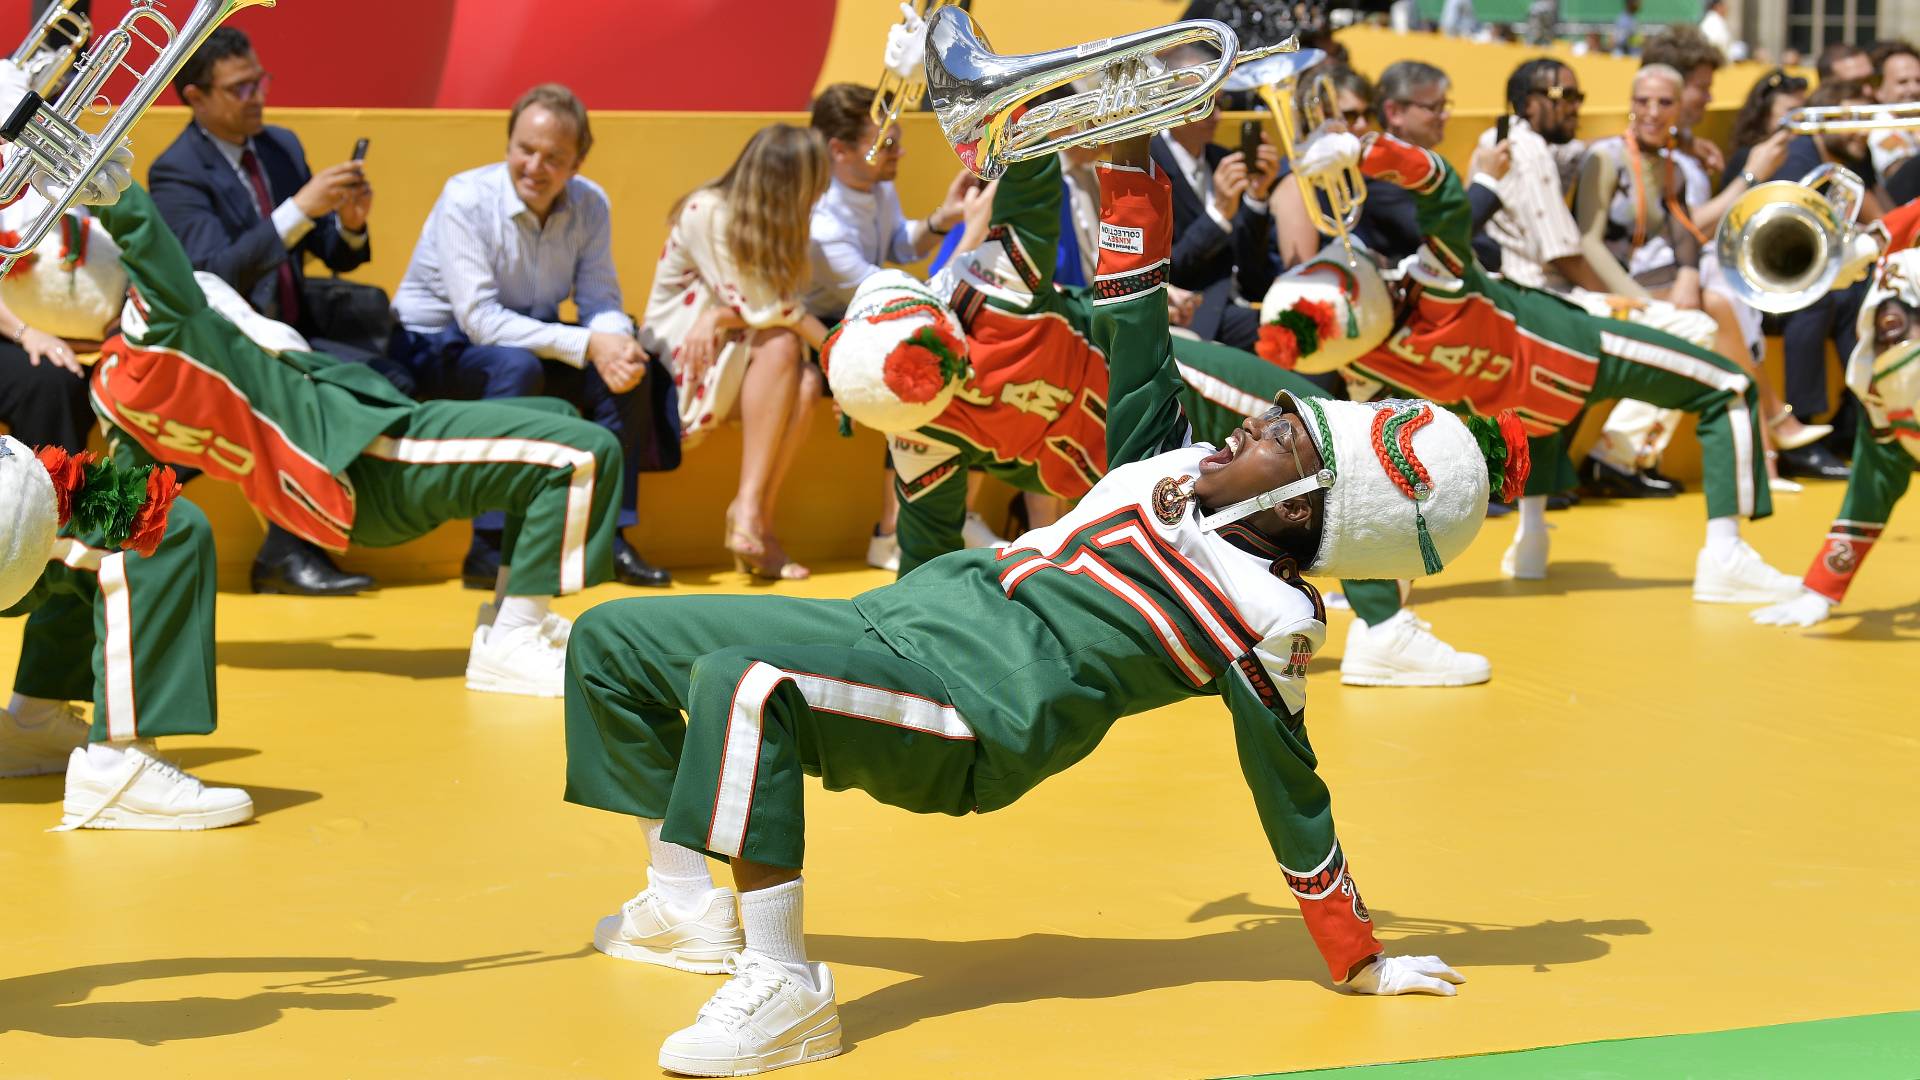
{"type": "Point", "coordinates": [1296, 115]}
{"type": "Point", "coordinates": [45, 65]}
{"type": "Point", "coordinates": [1783, 245]}
{"type": "Point", "coordinates": [47, 137]}
{"type": "Point", "coordinates": [893, 96]}
{"type": "Point", "coordinates": [984, 100]}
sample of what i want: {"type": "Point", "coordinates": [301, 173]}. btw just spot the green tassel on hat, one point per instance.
{"type": "Point", "coordinates": [1429, 555]}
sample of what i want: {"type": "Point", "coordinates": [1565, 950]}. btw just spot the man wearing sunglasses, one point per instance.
{"type": "Point", "coordinates": [239, 195]}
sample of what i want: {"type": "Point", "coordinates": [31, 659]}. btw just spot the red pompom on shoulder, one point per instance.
{"type": "Point", "coordinates": [69, 473]}
{"type": "Point", "coordinates": [1277, 345]}
{"type": "Point", "coordinates": [1519, 457]}
{"type": "Point", "coordinates": [912, 372]}
{"type": "Point", "coordinates": [150, 524]}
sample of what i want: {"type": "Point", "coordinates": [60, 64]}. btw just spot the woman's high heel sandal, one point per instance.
{"type": "Point", "coordinates": [1791, 434]}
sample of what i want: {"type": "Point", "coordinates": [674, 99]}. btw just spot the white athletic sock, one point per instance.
{"type": "Point", "coordinates": [772, 921]}
{"type": "Point", "coordinates": [678, 873]}
{"type": "Point", "coordinates": [104, 755]}
{"type": "Point", "coordinates": [518, 611]}
{"type": "Point", "coordinates": [34, 712]}
{"type": "Point", "coordinates": [1722, 533]}
{"type": "Point", "coordinates": [1533, 515]}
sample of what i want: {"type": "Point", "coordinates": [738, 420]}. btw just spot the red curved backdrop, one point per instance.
{"type": "Point", "coordinates": [732, 55]}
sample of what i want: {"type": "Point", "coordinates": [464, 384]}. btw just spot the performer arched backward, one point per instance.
{"type": "Point", "coordinates": [332, 453]}
{"type": "Point", "coordinates": [973, 678]}
{"type": "Point", "coordinates": [1462, 338]}
{"type": "Point", "coordinates": [990, 366]}
{"type": "Point", "coordinates": [1884, 373]}
{"type": "Point", "coordinates": [116, 580]}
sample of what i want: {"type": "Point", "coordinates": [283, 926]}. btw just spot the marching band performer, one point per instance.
{"type": "Point", "coordinates": [1014, 386]}
{"type": "Point", "coordinates": [976, 676]}
{"type": "Point", "coordinates": [1462, 338]}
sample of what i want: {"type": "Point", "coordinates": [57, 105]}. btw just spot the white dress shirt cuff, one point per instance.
{"type": "Point", "coordinates": [1219, 218]}
{"type": "Point", "coordinates": [1486, 180]}
{"type": "Point", "coordinates": [354, 240]}
{"type": "Point", "coordinates": [570, 344]}
{"type": "Point", "coordinates": [291, 222]}
{"type": "Point", "coordinates": [612, 322]}
{"type": "Point", "coordinates": [1253, 204]}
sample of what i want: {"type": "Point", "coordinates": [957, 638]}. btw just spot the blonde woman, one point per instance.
{"type": "Point", "coordinates": [726, 313]}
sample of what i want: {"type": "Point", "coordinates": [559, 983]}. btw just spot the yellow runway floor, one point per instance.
{"type": "Point", "coordinates": [1658, 818]}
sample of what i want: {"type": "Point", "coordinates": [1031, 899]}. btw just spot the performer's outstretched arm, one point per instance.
{"type": "Point", "coordinates": [1130, 307]}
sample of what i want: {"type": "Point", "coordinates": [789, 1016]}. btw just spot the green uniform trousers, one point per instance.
{"type": "Point", "coordinates": [818, 693]}
{"type": "Point", "coordinates": [135, 633]}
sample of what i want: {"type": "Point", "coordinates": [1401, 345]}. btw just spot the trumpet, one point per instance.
{"type": "Point", "coordinates": [45, 67]}
{"type": "Point", "coordinates": [1828, 119]}
{"type": "Point", "coordinates": [1276, 79]}
{"type": "Point", "coordinates": [984, 100]}
{"type": "Point", "coordinates": [47, 137]}
{"type": "Point", "coordinates": [1783, 245]}
{"type": "Point", "coordinates": [894, 95]}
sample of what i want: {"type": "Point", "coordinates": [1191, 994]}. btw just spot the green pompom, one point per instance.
{"type": "Point", "coordinates": [1305, 330]}
{"type": "Point", "coordinates": [108, 501]}
{"type": "Point", "coordinates": [1492, 447]}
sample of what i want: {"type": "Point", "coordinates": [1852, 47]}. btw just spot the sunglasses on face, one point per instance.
{"type": "Point", "coordinates": [1562, 93]}
{"type": "Point", "coordinates": [1354, 117]}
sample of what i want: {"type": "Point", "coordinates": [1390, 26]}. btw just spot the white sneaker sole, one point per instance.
{"type": "Point", "coordinates": [706, 958]}
{"type": "Point", "coordinates": [822, 1041]}
{"type": "Point", "coordinates": [1743, 595]}
{"type": "Point", "coordinates": [114, 817]}
{"type": "Point", "coordinates": [1380, 677]}
{"type": "Point", "coordinates": [493, 682]}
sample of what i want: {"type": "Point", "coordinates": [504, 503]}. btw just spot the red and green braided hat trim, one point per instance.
{"type": "Point", "coordinates": [1393, 431]}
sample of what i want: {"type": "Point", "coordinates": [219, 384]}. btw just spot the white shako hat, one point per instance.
{"type": "Point", "coordinates": [1888, 381]}
{"type": "Point", "coordinates": [72, 284]}
{"type": "Point", "coordinates": [1406, 483]}
{"type": "Point", "coordinates": [896, 360]}
{"type": "Point", "coordinates": [1323, 314]}
{"type": "Point", "coordinates": [29, 520]}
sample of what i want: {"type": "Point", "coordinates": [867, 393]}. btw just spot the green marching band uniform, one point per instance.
{"type": "Point", "coordinates": [982, 672]}
{"type": "Point", "coordinates": [1033, 412]}
{"type": "Point", "coordinates": [331, 451]}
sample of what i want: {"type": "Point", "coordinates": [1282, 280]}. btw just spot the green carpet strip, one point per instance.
{"type": "Point", "coordinates": [1881, 1047]}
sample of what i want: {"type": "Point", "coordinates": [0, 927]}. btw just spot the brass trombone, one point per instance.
{"type": "Point", "coordinates": [44, 67]}
{"type": "Point", "coordinates": [1828, 119]}
{"type": "Point", "coordinates": [895, 94]}
{"type": "Point", "coordinates": [985, 101]}
{"type": "Point", "coordinates": [1277, 79]}
{"type": "Point", "coordinates": [47, 137]}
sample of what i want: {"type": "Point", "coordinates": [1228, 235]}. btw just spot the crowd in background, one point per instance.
{"type": "Point", "coordinates": [760, 263]}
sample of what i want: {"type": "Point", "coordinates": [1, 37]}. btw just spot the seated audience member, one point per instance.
{"type": "Point", "coordinates": [1899, 68]}
{"type": "Point", "coordinates": [479, 307]}
{"type": "Point", "coordinates": [1539, 242]}
{"type": "Point", "coordinates": [1686, 50]}
{"type": "Point", "coordinates": [858, 227]}
{"type": "Point", "coordinates": [239, 195]}
{"type": "Point", "coordinates": [728, 313]}
{"type": "Point", "coordinates": [1841, 61]}
{"type": "Point", "coordinates": [1772, 97]}
{"type": "Point", "coordinates": [1413, 108]}
{"type": "Point", "coordinates": [1222, 231]}
{"type": "Point", "coordinates": [1298, 239]}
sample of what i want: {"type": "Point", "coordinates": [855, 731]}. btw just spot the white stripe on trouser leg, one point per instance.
{"type": "Point", "coordinates": [579, 515]}
{"type": "Point", "coordinates": [746, 726]}
{"type": "Point", "coordinates": [1739, 419]}
{"type": "Point", "coordinates": [116, 598]}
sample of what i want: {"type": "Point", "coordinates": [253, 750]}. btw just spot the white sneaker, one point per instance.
{"type": "Point", "coordinates": [651, 932]}
{"type": "Point", "coordinates": [883, 552]}
{"type": "Point", "coordinates": [1780, 485]}
{"type": "Point", "coordinates": [556, 628]}
{"type": "Point", "coordinates": [1526, 557]}
{"type": "Point", "coordinates": [1402, 651]}
{"type": "Point", "coordinates": [975, 533]}
{"type": "Point", "coordinates": [38, 744]}
{"type": "Point", "coordinates": [517, 661]}
{"type": "Point", "coordinates": [141, 790]}
{"type": "Point", "coordinates": [764, 1018]}
{"type": "Point", "coordinates": [1738, 575]}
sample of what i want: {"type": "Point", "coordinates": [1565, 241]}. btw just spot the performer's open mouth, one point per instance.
{"type": "Point", "coordinates": [1223, 457]}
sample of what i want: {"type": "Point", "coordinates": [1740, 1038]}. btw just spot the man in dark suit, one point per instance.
{"type": "Point", "coordinates": [244, 204]}
{"type": "Point", "coordinates": [1222, 231]}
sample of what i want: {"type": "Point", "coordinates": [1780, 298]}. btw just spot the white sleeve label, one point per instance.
{"type": "Point", "coordinates": [1122, 239]}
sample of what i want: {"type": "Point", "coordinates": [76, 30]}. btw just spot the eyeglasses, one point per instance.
{"type": "Point", "coordinates": [1444, 105]}
{"type": "Point", "coordinates": [247, 91]}
{"type": "Point", "coordinates": [1562, 93]}
{"type": "Point", "coordinates": [1287, 434]}
{"type": "Point", "coordinates": [1353, 117]}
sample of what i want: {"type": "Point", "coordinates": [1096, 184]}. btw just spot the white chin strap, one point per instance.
{"type": "Point", "coordinates": [1269, 500]}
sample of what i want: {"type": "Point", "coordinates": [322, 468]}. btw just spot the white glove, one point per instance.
{"type": "Point", "coordinates": [1328, 151]}
{"type": "Point", "coordinates": [1803, 610]}
{"type": "Point", "coordinates": [1862, 249]}
{"type": "Point", "coordinates": [105, 187]}
{"type": "Point", "coordinates": [906, 54]}
{"type": "Point", "coordinates": [1406, 975]}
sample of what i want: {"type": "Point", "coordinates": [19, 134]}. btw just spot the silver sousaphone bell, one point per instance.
{"type": "Point", "coordinates": [983, 100]}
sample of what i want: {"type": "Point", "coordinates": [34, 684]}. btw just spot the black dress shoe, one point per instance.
{"type": "Point", "coordinates": [630, 569]}
{"type": "Point", "coordinates": [1814, 462]}
{"type": "Point", "coordinates": [305, 571]}
{"type": "Point", "coordinates": [1611, 482]}
{"type": "Point", "coordinates": [1658, 477]}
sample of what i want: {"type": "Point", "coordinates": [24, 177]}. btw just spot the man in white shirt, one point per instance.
{"type": "Point", "coordinates": [1713, 27]}
{"type": "Point", "coordinates": [1899, 67]}
{"type": "Point", "coordinates": [479, 307]}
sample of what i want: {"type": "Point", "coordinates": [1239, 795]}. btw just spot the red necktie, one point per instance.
{"type": "Point", "coordinates": [289, 293]}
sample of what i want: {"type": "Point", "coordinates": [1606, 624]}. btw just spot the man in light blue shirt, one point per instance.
{"type": "Point", "coordinates": [479, 307]}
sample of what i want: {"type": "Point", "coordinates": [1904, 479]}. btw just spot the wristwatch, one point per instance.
{"type": "Point", "coordinates": [1752, 180]}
